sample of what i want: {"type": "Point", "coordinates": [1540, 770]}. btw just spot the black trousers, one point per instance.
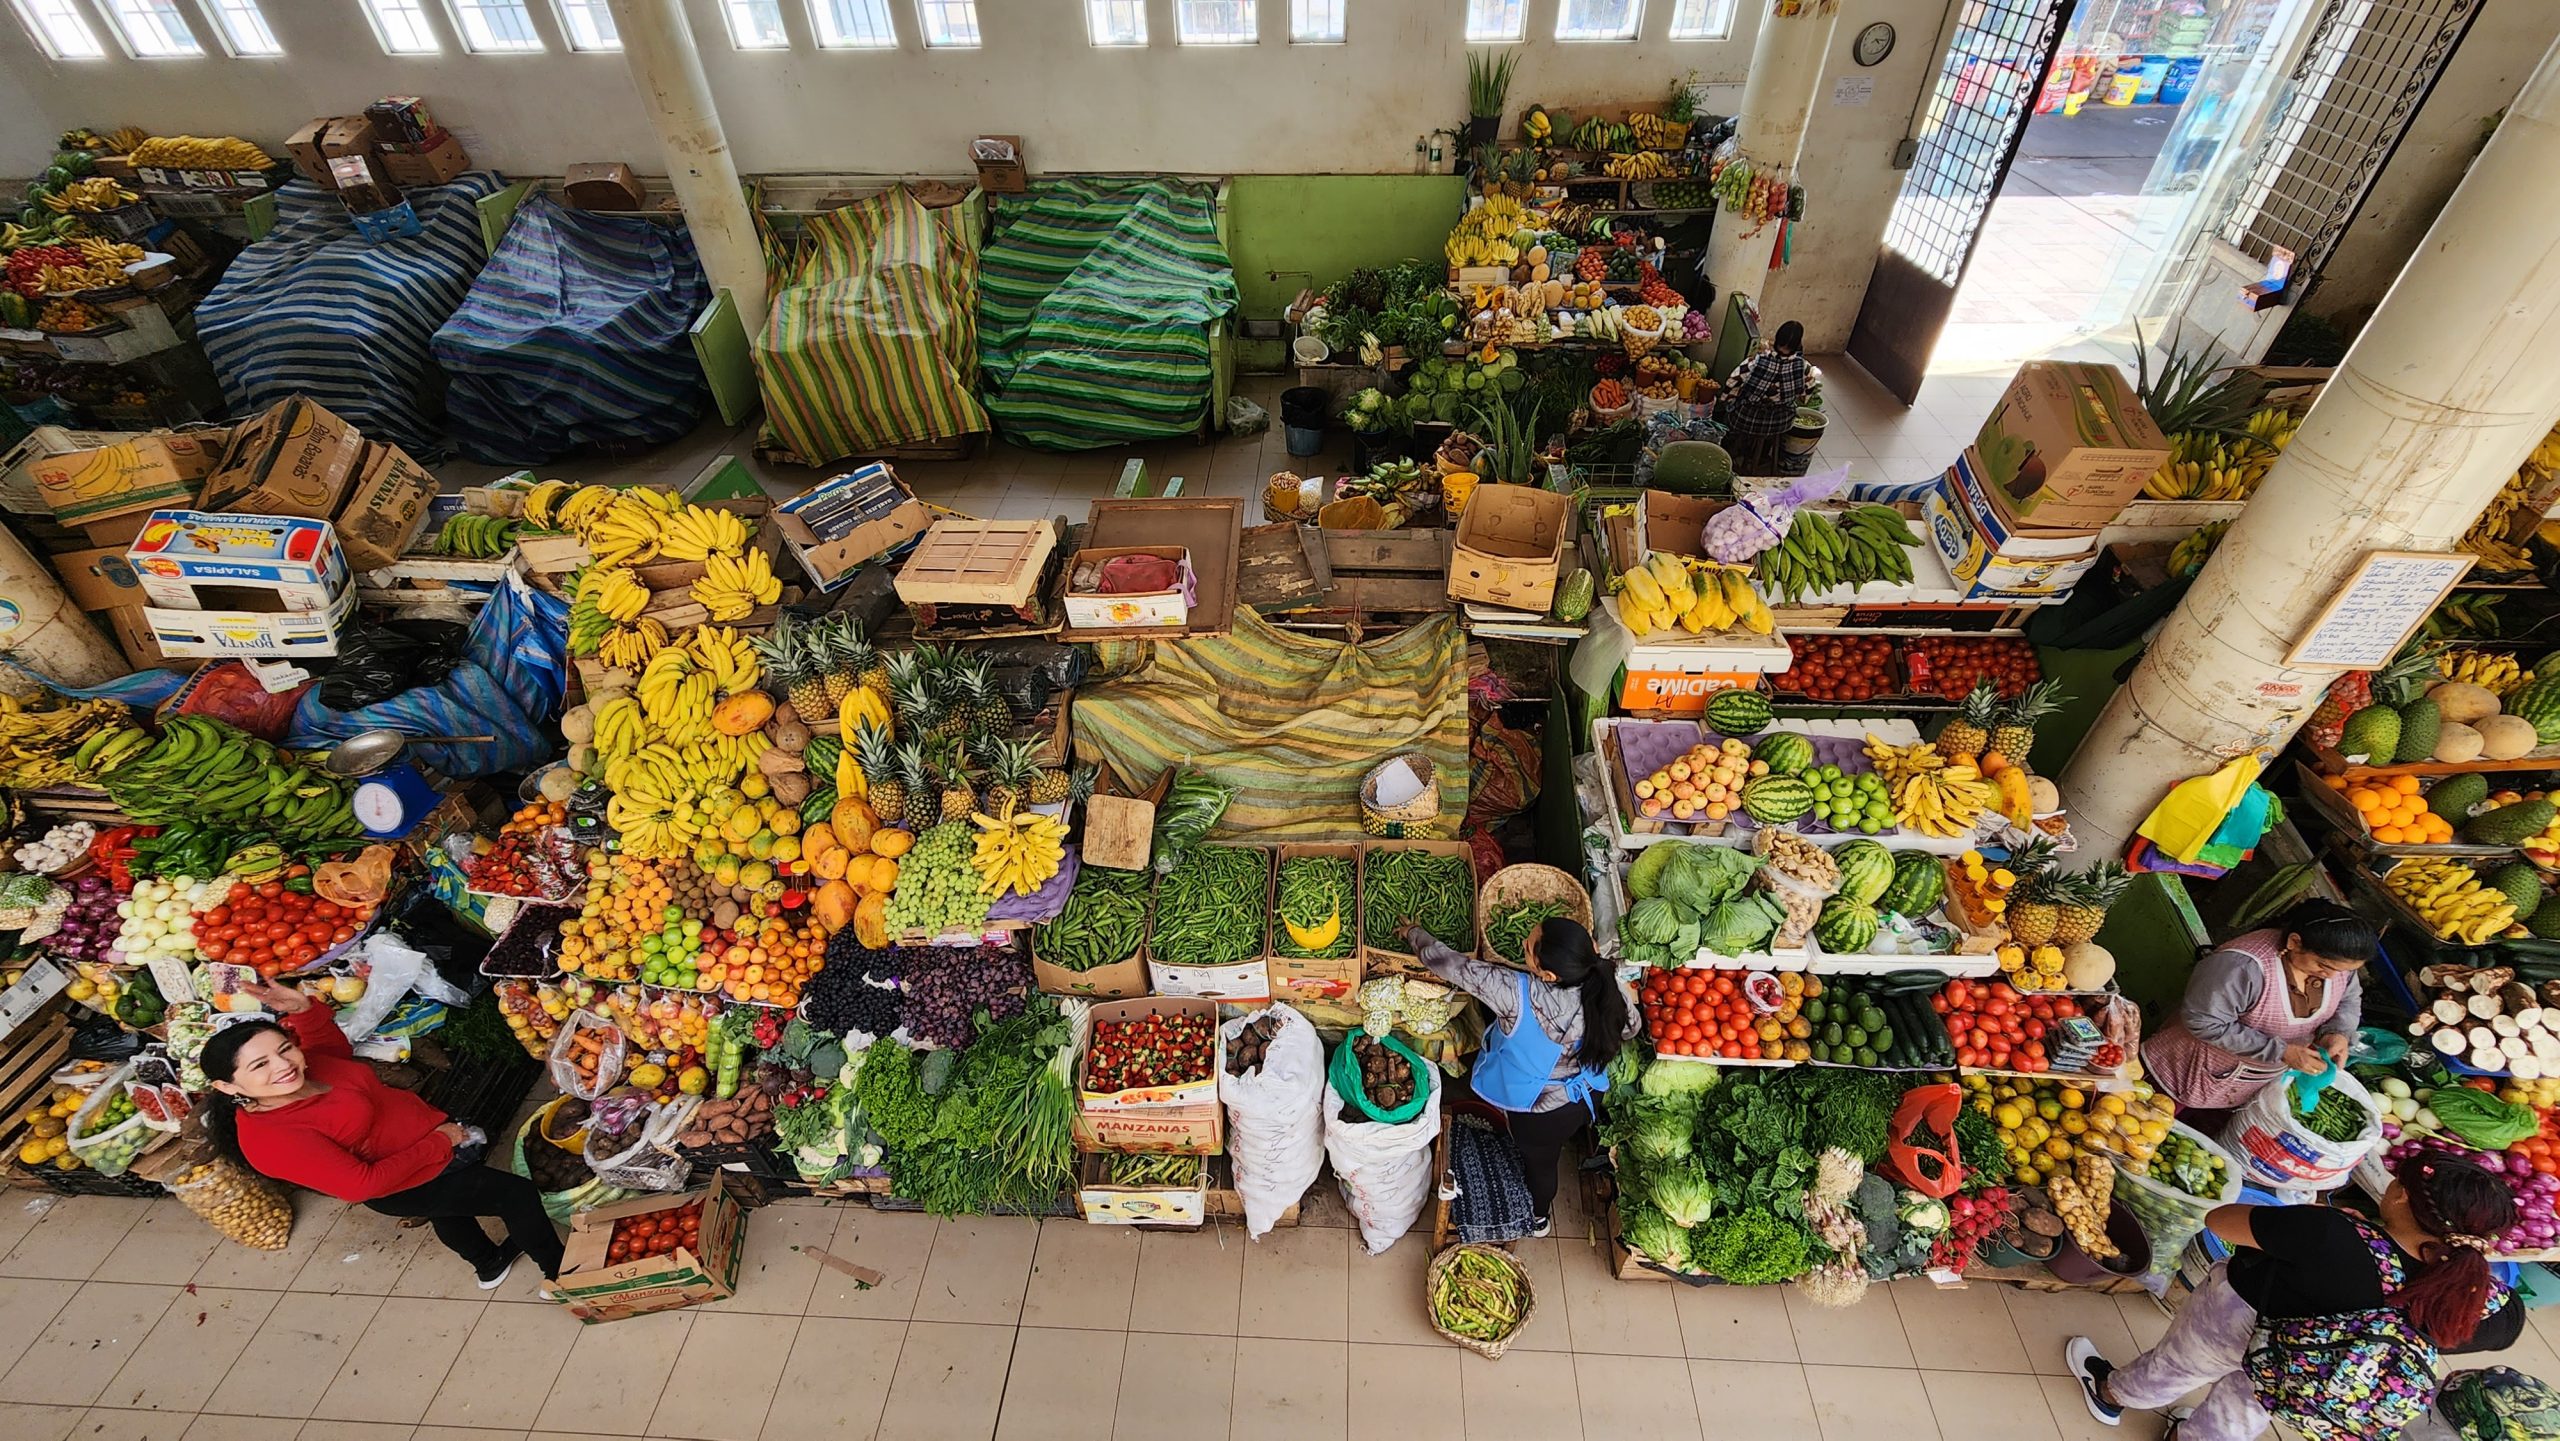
{"type": "Point", "coordinates": [454, 1202]}
{"type": "Point", "coordinates": [1541, 1135]}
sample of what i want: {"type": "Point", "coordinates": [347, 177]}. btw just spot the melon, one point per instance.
{"type": "Point", "coordinates": [2087, 966]}
{"type": "Point", "coordinates": [2464, 702]}
{"type": "Point", "coordinates": [2044, 795]}
{"type": "Point", "coordinates": [2505, 737]}
{"type": "Point", "coordinates": [2456, 742]}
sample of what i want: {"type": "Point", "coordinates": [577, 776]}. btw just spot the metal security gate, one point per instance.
{"type": "Point", "coordinates": [1986, 89]}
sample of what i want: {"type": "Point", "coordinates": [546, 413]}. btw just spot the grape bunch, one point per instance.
{"type": "Point", "coordinates": [948, 985]}
{"type": "Point", "coordinates": [937, 891]}
{"type": "Point", "coordinates": [855, 990]}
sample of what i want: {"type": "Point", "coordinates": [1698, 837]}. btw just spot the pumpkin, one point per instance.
{"type": "Point", "coordinates": [742, 713]}
{"type": "Point", "coordinates": [833, 904]}
{"type": "Point", "coordinates": [871, 921]}
{"type": "Point", "coordinates": [853, 823]}
{"type": "Point", "coordinates": [889, 841]}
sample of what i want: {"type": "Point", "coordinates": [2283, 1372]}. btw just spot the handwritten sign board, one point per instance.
{"type": "Point", "coordinates": [2378, 608]}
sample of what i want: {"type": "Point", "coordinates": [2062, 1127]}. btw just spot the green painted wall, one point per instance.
{"type": "Point", "coordinates": [1289, 232]}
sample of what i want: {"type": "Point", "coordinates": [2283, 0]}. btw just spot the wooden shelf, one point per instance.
{"type": "Point", "coordinates": [2540, 758]}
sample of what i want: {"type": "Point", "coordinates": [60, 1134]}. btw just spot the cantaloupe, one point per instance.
{"type": "Point", "coordinates": [2457, 742]}
{"type": "Point", "coordinates": [2046, 795]}
{"type": "Point", "coordinates": [2087, 966]}
{"type": "Point", "coordinates": [2461, 701]}
{"type": "Point", "coordinates": [2505, 737]}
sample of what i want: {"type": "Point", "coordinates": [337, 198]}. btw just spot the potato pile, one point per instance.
{"type": "Point", "coordinates": [238, 1204]}
{"type": "Point", "coordinates": [1252, 1044]}
{"type": "Point", "coordinates": [730, 1121]}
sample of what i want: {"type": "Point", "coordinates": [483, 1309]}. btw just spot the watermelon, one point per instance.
{"type": "Point", "coordinates": [1866, 868]}
{"type": "Point", "coordinates": [1738, 713]}
{"type": "Point", "coordinates": [820, 757]}
{"type": "Point", "coordinates": [1785, 752]}
{"type": "Point", "coordinates": [1845, 927]}
{"type": "Point", "coordinates": [1919, 883]}
{"type": "Point", "coordinates": [2539, 702]}
{"type": "Point", "coordinates": [1775, 799]}
{"type": "Point", "coordinates": [818, 805]}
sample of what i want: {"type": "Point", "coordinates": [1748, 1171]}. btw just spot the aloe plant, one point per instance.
{"type": "Point", "coordinates": [2185, 398]}
{"type": "Point", "coordinates": [1488, 82]}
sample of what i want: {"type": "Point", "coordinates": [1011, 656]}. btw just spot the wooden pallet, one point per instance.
{"type": "Point", "coordinates": [1350, 581]}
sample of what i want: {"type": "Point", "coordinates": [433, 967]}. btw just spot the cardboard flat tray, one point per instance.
{"type": "Point", "coordinates": [977, 562]}
{"type": "Point", "coordinates": [1210, 528]}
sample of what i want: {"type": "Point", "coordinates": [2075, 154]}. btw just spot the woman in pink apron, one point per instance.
{"type": "Point", "coordinates": [2285, 998]}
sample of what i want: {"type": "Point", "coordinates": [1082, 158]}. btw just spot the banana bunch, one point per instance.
{"type": "Point", "coordinates": [1695, 595]}
{"type": "Point", "coordinates": [190, 152]}
{"type": "Point", "coordinates": [2189, 555]}
{"type": "Point", "coordinates": [676, 696]}
{"type": "Point", "coordinates": [2546, 456]}
{"type": "Point", "coordinates": [1946, 801]}
{"type": "Point", "coordinates": [2274, 428]}
{"type": "Point", "coordinates": [1017, 852]}
{"type": "Point", "coordinates": [1486, 235]}
{"type": "Point", "coordinates": [588, 624]}
{"type": "Point", "coordinates": [618, 593]}
{"type": "Point", "coordinates": [93, 194]}
{"type": "Point", "coordinates": [2487, 537]}
{"type": "Point", "coordinates": [102, 263]}
{"type": "Point", "coordinates": [694, 532]}
{"type": "Point", "coordinates": [1900, 763]}
{"type": "Point", "coordinates": [57, 231]}
{"type": "Point", "coordinates": [621, 730]}
{"type": "Point", "coordinates": [203, 771]}
{"type": "Point", "coordinates": [2493, 672]}
{"type": "Point", "coordinates": [2205, 466]}
{"type": "Point", "coordinates": [732, 587]}
{"type": "Point", "coordinates": [540, 504]}
{"type": "Point", "coordinates": [1865, 543]}
{"type": "Point", "coordinates": [630, 531]}
{"type": "Point", "coordinates": [629, 646]}
{"type": "Point", "coordinates": [1642, 165]}
{"type": "Point", "coordinates": [2451, 899]}
{"type": "Point", "coordinates": [663, 793]}
{"type": "Point", "coordinates": [74, 743]}
{"type": "Point", "coordinates": [477, 537]}
{"type": "Point", "coordinates": [1658, 132]}
{"type": "Point", "coordinates": [125, 139]}
{"type": "Point", "coordinates": [727, 657]}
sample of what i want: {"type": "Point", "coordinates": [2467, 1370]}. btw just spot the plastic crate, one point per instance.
{"type": "Point", "coordinates": [83, 1182]}
{"type": "Point", "coordinates": [482, 1093]}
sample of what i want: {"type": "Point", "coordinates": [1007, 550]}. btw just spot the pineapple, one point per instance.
{"type": "Point", "coordinates": [833, 654]}
{"type": "Point", "coordinates": [1969, 729]}
{"type": "Point", "coordinates": [2015, 734]}
{"type": "Point", "coordinates": [942, 673]}
{"type": "Point", "coordinates": [2035, 908]}
{"type": "Point", "coordinates": [1080, 783]}
{"type": "Point", "coordinates": [911, 701]}
{"type": "Point", "coordinates": [1050, 785]}
{"type": "Point", "coordinates": [1009, 775]}
{"type": "Point", "coordinates": [880, 774]}
{"type": "Point", "coordinates": [923, 803]}
{"type": "Point", "coordinates": [808, 688]}
{"type": "Point", "coordinates": [2093, 891]}
{"type": "Point", "coordinates": [871, 668]}
{"type": "Point", "coordinates": [959, 799]}
{"type": "Point", "coordinates": [778, 651]}
{"type": "Point", "coordinates": [983, 704]}
{"type": "Point", "coordinates": [858, 658]}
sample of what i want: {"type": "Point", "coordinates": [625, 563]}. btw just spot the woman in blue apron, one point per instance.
{"type": "Point", "coordinates": [1551, 1033]}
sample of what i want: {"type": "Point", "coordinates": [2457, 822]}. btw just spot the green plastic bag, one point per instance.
{"type": "Point", "coordinates": [1344, 1071]}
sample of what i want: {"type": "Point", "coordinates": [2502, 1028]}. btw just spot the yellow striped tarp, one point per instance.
{"type": "Point", "coordinates": [1292, 722]}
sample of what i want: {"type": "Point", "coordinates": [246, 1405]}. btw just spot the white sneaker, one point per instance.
{"type": "Point", "coordinates": [492, 1283]}
{"type": "Point", "coordinates": [2091, 1370]}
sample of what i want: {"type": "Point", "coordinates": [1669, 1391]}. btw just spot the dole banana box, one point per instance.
{"type": "Point", "coordinates": [295, 460]}
{"type": "Point", "coordinates": [120, 474]}
{"type": "Point", "coordinates": [2066, 447]}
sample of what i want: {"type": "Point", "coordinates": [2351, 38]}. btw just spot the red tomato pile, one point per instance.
{"type": "Point", "coordinates": [637, 1238]}
{"type": "Point", "coordinates": [1992, 1025]}
{"type": "Point", "coordinates": [274, 928]}
{"type": "Point", "coordinates": [1840, 668]}
{"type": "Point", "coordinates": [1703, 1013]}
{"type": "Point", "coordinates": [1950, 666]}
{"type": "Point", "coordinates": [1158, 1050]}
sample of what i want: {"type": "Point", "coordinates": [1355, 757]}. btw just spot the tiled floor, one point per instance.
{"type": "Point", "coordinates": [127, 1319]}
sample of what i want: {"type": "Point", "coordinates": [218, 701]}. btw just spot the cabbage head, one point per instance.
{"type": "Point", "coordinates": [1659, 1133]}
{"type": "Point", "coordinates": [1646, 869]}
{"type": "Point", "coordinates": [1651, 921]}
{"type": "Point", "coordinates": [1680, 1082]}
{"type": "Point", "coordinates": [1701, 877]}
{"type": "Point", "coordinates": [1651, 1234]}
{"type": "Point", "coordinates": [1683, 1193]}
{"type": "Point", "coordinates": [1740, 927]}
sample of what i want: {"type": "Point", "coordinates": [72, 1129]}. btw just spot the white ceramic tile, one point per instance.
{"type": "Point", "coordinates": [504, 1372]}
{"type": "Point", "coordinates": [1288, 1389]}
{"type": "Point", "coordinates": [1297, 1284]}
{"type": "Point", "coordinates": [1637, 1396]}
{"type": "Point", "coordinates": [981, 1266]}
{"type": "Point", "coordinates": [395, 1369]}
{"type": "Point", "coordinates": [301, 1345]}
{"type": "Point", "coordinates": [949, 1384]}
{"type": "Point", "coordinates": [1407, 1393]}
{"type": "Point", "coordinates": [613, 1374]}
{"type": "Point", "coordinates": [721, 1389]}
{"type": "Point", "coordinates": [1064, 1384]}
{"type": "Point", "coordinates": [91, 1336]}
{"type": "Point", "coordinates": [1082, 1277]}
{"type": "Point", "coordinates": [836, 1379]}
{"type": "Point", "coordinates": [185, 1358]}
{"type": "Point", "coordinates": [1858, 1402]}
{"type": "Point", "coordinates": [74, 1237]}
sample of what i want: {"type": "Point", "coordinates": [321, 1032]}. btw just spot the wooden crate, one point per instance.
{"type": "Point", "coordinates": [978, 562]}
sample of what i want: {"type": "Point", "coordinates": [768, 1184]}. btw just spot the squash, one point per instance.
{"type": "Point", "coordinates": [2456, 742]}
{"type": "Point", "coordinates": [871, 921]}
{"type": "Point", "coordinates": [2464, 702]}
{"type": "Point", "coordinates": [742, 714]}
{"type": "Point", "coordinates": [2087, 966]}
{"type": "Point", "coordinates": [833, 904]}
{"type": "Point", "coordinates": [853, 824]}
{"type": "Point", "coordinates": [891, 842]}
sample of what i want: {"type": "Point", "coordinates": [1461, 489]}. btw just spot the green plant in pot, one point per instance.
{"type": "Point", "coordinates": [1488, 83]}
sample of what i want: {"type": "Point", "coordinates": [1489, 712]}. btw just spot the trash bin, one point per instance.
{"type": "Point", "coordinates": [1302, 416]}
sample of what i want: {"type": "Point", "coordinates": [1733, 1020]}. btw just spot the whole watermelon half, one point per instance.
{"type": "Point", "coordinates": [1866, 869]}
{"type": "Point", "coordinates": [1919, 883]}
{"type": "Point", "coordinates": [1738, 713]}
{"type": "Point", "coordinates": [1786, 753]}
{"type": "Point", "coordinates": [1775, 799]}
{"type": "Point", "coordinates": [1845, 927]}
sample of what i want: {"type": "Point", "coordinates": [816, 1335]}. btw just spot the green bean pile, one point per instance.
{"type": "Point", "coordinates": [1436, 892]}
{"type": "Point", "coordinates": [1210, 910]}
{"type": "Point", "coordinates": [1149, 1170]}
{"type": "Point", "coordinates": [1480, 1293]}
{"type": "Point", "coordinates": [1104, 916]}
{"type": "Point", "coordinates": [1314, 889]}
{"type": "Point", "coordinates": [1507, 931]}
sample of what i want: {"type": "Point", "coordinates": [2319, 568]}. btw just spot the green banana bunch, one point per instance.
{"type": "Point", "coordinates": [588, 624]}
{"type": "Point", "coordinates": [1820, 553]}
{"type": "Point", "coordinates": [207, 772]}
{"type": "Point", "coordinates": [477, 537]}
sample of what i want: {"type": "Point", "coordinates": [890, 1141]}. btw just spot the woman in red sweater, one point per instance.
{"type": "Point", "coordinates": [294, 1103]}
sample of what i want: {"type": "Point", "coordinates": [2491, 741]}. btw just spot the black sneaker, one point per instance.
{"type": "Point", "coordinates": [1541, 1227]}
{"type": "Point", "coordinates": [494, 1275]}
{"type": "Point", "coordinates": [2092, 1370]}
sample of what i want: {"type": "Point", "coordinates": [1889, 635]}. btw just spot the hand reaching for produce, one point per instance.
{"type": "Point", "coordinates": [2336, 1045]}
{"type": "Point", "coordinates": [283, 1000]}
{"type": "Point", "coordinates": [2305, 1060]}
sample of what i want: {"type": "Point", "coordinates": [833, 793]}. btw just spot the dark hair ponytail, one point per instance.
{"type": "Point", "coordinates": [2449, 1292]}
{"type": "Point", "coordinates": [219, 1111]}
{"type": "Point", "coordinates": [2330, 929]}
{"type": "Point", "coordinates": [1566, 953]}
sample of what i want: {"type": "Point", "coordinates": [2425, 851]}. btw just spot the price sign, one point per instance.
{"type": "Point", "coordinates": [2373, 615]}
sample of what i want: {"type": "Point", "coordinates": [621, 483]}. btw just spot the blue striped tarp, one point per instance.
{"type": "Point", "coordinates": [315, 310]}
{"type": "Point", "coordinates": [575, 335]}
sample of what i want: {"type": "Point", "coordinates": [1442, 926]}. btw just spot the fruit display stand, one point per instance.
{"type": "Point", "coordinates": [1626, 745]}
{"type": "Point", "coordinates": [2327, 797]}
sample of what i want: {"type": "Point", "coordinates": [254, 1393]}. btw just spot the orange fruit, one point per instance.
{"type": "Point", "coordinates": [2364, 799]}
{"type": "Point", "coordinates": [2390, 835]}
{"type": "Point", "coordinates": [2405, 785]}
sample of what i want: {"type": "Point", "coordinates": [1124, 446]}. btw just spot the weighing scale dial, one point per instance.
{"type": "Point", "coordinates": [389, 802]}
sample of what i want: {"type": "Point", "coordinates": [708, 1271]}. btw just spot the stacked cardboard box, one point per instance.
{"type": "Point", "coordinates": [2017, 517]}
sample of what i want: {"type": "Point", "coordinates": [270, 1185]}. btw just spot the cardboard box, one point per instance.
{"type": "Point", "coordinates": [125, 474]}
{"type": "Point", "coordinates": [1377, 960]}
{"type": "Point", "coordinates": [198, 560]}
{"type": "Point", "coordinates": [1300, 978]}
{"type": "Point", "coordinates": [1673, 523]}
{"type": "Point", "coordinates": [141, 646]}
{"type": "Point", "coordinates": [1678, 691]}
{"type": "Point", "coordinates": [433, 164]}
{"type": "Point", "coordinates": [1246, 983]}
{"type": "Point", "coordinates": [1196, 1130]}
{"type": "Point", "coordinates": [1106, 1204]}
{"type": "Point", "coordinates": [1002, 168]}
{"type": "Point", "coordinates": [1203, 1091]}
{"type": "Point", "coordinates": [295, 460]}
{"type": "Point", "coordinates": [1109, 983]}
{"type": "Point", "coordinates": [250, 632]}
{"type": "Point", "coordinates": [1510, 547]}
{"type": "Point", "coordinates": [99, 580]}
{"type": "Point", "coordinates": [594, 1291]}
{"type": "Point", "coordinates": [385, 508]}
{"type": "Point", "coordinates": [2067, 446]}
{"type": "Point", "coordinates": [1991, 564]}
{"type": "Point", "coordinates": [837, 525]}
{"type": "Point", "coordinates": [1170, 608]}
{"type": "Point", "coordinates": [303, 146]}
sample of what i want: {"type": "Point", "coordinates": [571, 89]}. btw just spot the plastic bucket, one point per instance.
{"type": "Point", "coordinates": [2074, 1265]}
{"type": "Point", "coordinates": [1302, 417]}
{"type": "Point", "coordinates": [2180, 79]}
{"type": "Point", "coordinates": [2155, 71]}
{"type": "Point", "coordinates": [1806, 436]}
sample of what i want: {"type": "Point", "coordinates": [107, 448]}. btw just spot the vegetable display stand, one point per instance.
{"type": "Point", "coordinates": [2331, 763]}
{"type": "Point", "coordinates": [2332, 807]}
{"type": "Point", "coordinates": [1209, 926]}
{"type": "Point", "coordinates": [1331, 974]}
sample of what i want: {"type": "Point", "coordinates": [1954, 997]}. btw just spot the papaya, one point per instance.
{"type": "Point", "coordinates": [742, 714]}
{"type": "Point", "coordinates": [871, 921]}
{"type": "Point", "coordinates": [891, 842]}
{"type": "Point", "coordinates": [833, 904]}
{"type": "Point", "coordinates": [853, 824]}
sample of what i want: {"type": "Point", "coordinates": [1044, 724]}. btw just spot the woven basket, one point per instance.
{"type": "Point", "coordinates": [1490, 1350]}
{"type": "Point", "coordinates": [1514, 885]}
{"type": "Point", "coordinates": [1416, 819]}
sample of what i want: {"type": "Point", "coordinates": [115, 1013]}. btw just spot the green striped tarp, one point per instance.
{"type": "Point", "coordinates": [872, 342]}
{"type": "Point", "coordinates": [1292, 722]}
{"type": "Point", "coordinates": [1094, 302]}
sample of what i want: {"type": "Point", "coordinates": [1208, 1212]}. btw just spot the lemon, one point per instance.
{"type": "Point", "coordinates": [2073, 1123]}
{"type": "Point", "coordinates": [2049, 1108]}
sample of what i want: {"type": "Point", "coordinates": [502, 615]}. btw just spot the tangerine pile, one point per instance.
{"type": "Point", "coordinates": [769, 954]}
{"type": "Point", "coordinates": [626, 900]}
{"type": "Point", "coordinates": [2394, 810]}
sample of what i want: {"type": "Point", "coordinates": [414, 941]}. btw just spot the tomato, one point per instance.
{"type": "Point", "coordinates": [213, 950]}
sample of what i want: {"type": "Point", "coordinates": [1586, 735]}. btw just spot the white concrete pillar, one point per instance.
{"type": "Point", "coordinates": [1777, 102]}
{"type": "Point", "coordinates": [657, 44]}
{"type": "Point", "coordinates": [2443, 395]}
